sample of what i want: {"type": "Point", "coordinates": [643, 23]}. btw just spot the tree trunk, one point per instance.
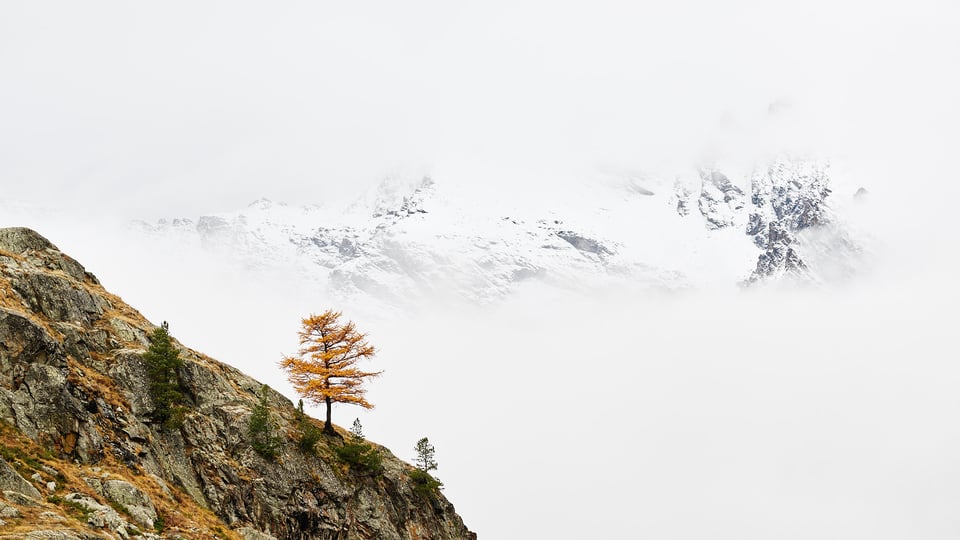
{"type": "Point", "coordinates": [328, 425]}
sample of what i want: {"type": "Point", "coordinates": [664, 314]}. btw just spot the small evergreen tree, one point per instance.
{"type": "Point", "coordinates": [359, 454]}
{"type": "Point", "coordinates": [356, 430]}
{"type": "Point", "coordinates": [261, 429]}
{"type": "Point", "coordinates": [309, 433]}
{"type": "Point", "coordinates": [425, 455]}
{"type": "Point", "coordinates": [423, 482]}
{"type": "Point", "coordinates": [163, 364]}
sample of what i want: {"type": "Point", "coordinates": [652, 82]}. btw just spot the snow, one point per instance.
{"type": "Point", "coordinates": [413, 238]}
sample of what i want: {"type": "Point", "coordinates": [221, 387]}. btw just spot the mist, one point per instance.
{"type": "Point", "coordinates": [152, 111]}
{"type": "Point", "coordinates": [779, 415]}
{"type": "Point", "coordinates": [773, 412]}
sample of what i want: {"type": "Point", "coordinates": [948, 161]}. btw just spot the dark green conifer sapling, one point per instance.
{"type": "Point", "coordinates": [163, 364]}
{"type": "Point", "coordinates": [423, 482]}
{"type": "Point", "coordinates": [261, 428]}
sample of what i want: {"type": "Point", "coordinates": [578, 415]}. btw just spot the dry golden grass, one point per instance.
{"type": "Point", "coordinates": [96, 383]}
{"type": "Point", "coordinates": [8, 298]}
{"type": "Point", "coordinates": [181, 515]}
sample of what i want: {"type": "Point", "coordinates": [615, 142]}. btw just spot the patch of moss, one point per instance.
{"type": "Point", "coordinates": [77, 510]}
{"type": "Point", "coordinates": [424, 484]}
{"type": "Point", "coordinates": [16, 454]}
{"type": "Point", "coordinates": [120, 509]}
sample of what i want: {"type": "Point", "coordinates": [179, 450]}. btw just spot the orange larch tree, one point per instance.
{"type": "Point", "coordinates": [324, 371]}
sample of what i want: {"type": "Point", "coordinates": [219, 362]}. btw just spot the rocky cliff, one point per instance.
{"type": "Point", "coordinates": [80, 457]}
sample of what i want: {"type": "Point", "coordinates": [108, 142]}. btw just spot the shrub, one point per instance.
{"type": "Point", "coordinates": [424, 484]}
{"type": "Point", "coordinates": [77, 509]}
{"type": "Point", "coordinates": [359, 454]}
{"type": "Point", "coordinates": [309, 434]}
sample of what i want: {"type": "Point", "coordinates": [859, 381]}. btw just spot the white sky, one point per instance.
{"type": "Point", "coordinates": [830, 414]}
{"type": "Point", "coordinates": [187, 107]}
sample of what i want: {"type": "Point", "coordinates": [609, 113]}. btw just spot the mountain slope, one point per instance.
{"type": "Point", "coordinates": [410, 240]}
{"type": "Point", "coordinates": [76, 412]}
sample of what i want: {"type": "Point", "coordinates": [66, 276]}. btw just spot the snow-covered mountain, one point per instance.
{"type": "Point", "coordinates": [413, 239]}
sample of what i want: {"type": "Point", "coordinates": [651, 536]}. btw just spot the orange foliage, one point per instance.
{"type": "Point", "coordinates": [324, 371]}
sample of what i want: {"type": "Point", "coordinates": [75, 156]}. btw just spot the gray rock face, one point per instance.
{"type": "Point", "coordinates": [21, 240]}
{"type": "Point", "coordinates": [779, 256]}
{"type": "Point", "coordinates": [53, 535]}
{"type": "Point", "coordinates": [20, 499]}
{"type": "Point", "coordinates": [57, 298]}
{"type": "Point", "coordinates": [39, 251]}
{"type": "Point", "coordinates": [36, 395]}
{"type": "Point", "coordinates": [52, 516]}
{"type": "Point", "coordinates": [132, 499]}
{"type": "Point", "coordinates": [682, 195]}
{"type": "Point", "coordinates": [100, 516]}
{"type": "Point", "coordinates": [7, 511]}
{"type": "Point", "coordinates": [588, 245]}
{"type": "Point", "coordinates": [10, 480]}
{"type": "Point", "coordinates": [72, 379]}
{"type": "Point", "coordinates": [252, 534]}
{"type": "Point", "coordinates": [788, 197]}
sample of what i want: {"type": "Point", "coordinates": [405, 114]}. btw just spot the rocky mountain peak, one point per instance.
{"type": "Point", "coordinates": [411, 239]}
{"type": "Point", "coordinates": [787, 197]}
{"type": "Point", "coordinates": [720, 200]}
{"type": "Point", "coordinates": [787, 217]}
{"type": "Point", "coordinates": [81, 457]}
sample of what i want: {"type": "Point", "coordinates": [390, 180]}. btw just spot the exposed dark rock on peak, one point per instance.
{"type": "Point", "coordinates": [779, 256]}
{"type": "Point", "coordinates": [682, 195]}
{"type": "Point", "coordinates": [787, 217]}
{"type": "Point", "coordinates": [787, 198]}
{"type": "Point", "coordinates": [582, 243]}
{"type": "Point", "coordinates": [720, 199]}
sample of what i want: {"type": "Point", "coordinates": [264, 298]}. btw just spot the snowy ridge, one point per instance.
{"type": "Point", "coordinates": [412, 239]}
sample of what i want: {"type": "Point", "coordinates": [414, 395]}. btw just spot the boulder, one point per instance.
{"type": "Point", "coordinates": [136, 502]}
{"type": "Point", "coordinates": [100, 516]}
{"type": "Point", "coordinates": [10, 480]}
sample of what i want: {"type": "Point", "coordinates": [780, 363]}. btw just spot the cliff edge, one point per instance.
{"type": "Point", "coordinates": [80, 457]}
